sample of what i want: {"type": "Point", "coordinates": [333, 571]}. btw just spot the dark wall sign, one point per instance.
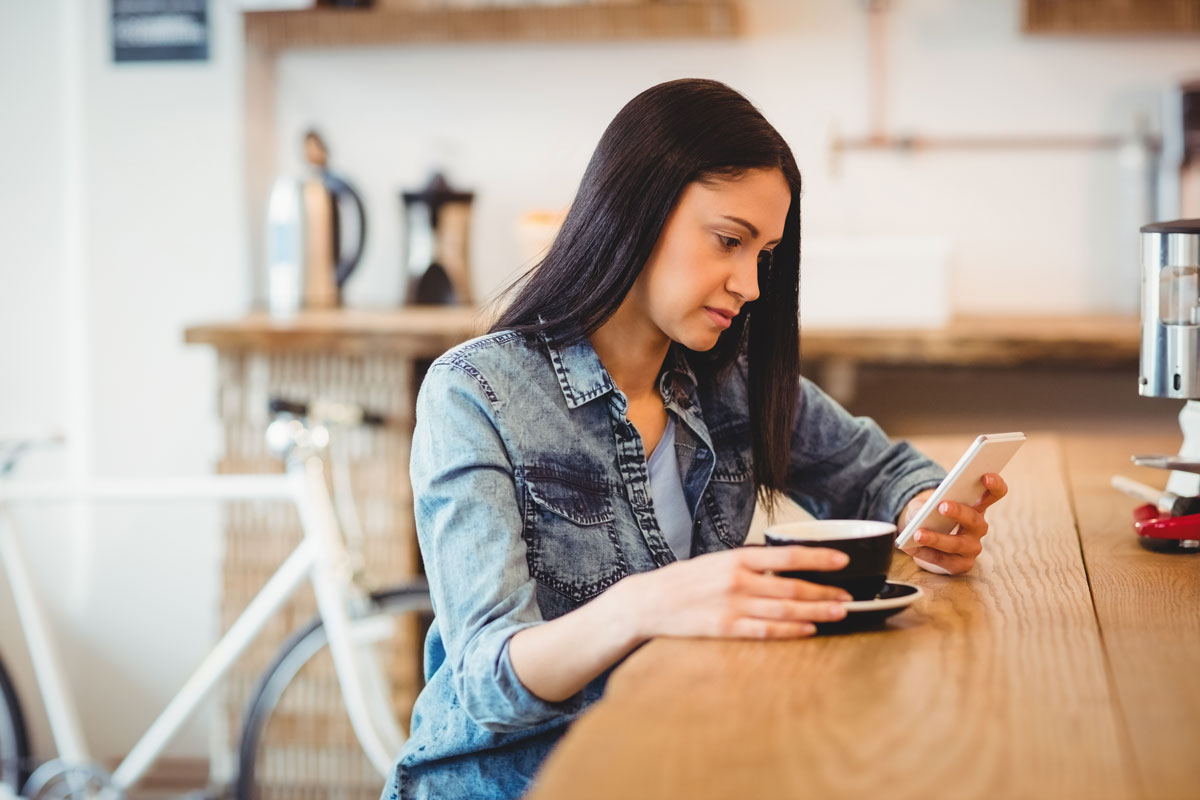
{"type": "Point", "coordinates": [160, 30]}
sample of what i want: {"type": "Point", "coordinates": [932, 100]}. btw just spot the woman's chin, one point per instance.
{"type": "Point", "coordinates": [700, 342]}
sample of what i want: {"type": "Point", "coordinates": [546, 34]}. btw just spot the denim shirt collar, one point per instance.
{"type": "Point", "coordinates": [582, 376]}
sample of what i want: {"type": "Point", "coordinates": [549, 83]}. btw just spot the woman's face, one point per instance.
{"type": "Point", "coordinates": [704, 267]}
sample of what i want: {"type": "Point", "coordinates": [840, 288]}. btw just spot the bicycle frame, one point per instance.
{"type": "Point", "coordinates": [321, 556]}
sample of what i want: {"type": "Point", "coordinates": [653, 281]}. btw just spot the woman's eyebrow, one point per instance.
{"type": "Point", "coordinates": [748, 226]}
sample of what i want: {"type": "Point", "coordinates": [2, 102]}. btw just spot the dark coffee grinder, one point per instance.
{"type": "Point", "coordinates": [437, 238]}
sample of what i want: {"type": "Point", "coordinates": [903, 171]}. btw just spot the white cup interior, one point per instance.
{"type": "Point", "coordinates": [824, 530]}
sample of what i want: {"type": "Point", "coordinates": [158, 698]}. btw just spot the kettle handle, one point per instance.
{"type": "Point", "coordinates": [346, 264]}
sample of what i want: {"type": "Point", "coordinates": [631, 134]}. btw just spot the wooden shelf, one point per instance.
{"type": "Point", "coordinates": [1091, 341]}
{"type": "Point", "coordinates": [393, 23]}
{"type": "Point", "coordinates": [1111, 16]}
{"type": "Point", "coordinates": [417, 332]}
{"type": "Point", "coordinates": [993, 341]}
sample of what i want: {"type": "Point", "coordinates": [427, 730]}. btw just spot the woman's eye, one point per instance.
{"type": "Point", "coordinates": [729, 242]}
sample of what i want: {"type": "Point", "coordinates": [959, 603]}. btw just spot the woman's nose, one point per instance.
{"type": "Point", "coordinates": [743, 282]}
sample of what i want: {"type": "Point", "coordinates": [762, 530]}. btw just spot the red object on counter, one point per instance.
{"type": "Point", "coordinates": [1150, 522]}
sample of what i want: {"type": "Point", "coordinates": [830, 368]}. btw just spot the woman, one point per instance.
{"type": "Point", "coordinates": [585, 474]}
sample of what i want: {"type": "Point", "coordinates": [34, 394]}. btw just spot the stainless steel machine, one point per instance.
{"type": "Point", "coordinates": [1170, 368]}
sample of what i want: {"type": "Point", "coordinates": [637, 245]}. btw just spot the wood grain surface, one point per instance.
{"type": "Point", "coordinates": [992, 685]}
{"type": "Point", "coordinates": [415, 331]}
{"type": "Point", "coordinates": [411, 21]}
{"type": "Point", "coordinates": [1092, 341]}
{"type": "Point", "coordinates": [1148, 605]}
{"type": "Point", "coordinates": [1075, 342]}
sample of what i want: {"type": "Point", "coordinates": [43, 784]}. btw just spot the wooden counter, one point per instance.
{"type": "Point", "coordinates": [1148, 608]}
{"type": "Point", "coordinates": [1066, 665]}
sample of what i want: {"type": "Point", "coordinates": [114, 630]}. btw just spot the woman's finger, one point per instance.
{"type": "Point", "coordinates": [963, 544]}
{"type": "Point", "coordinates": [791, 610]}
{"type": "Point", "coordinates": [750, 628]}
{"type": "Point", "coordinates": [996, 489]}
{"type": "Point", "coordinates": [969, 519]}
{"type": "Point", "coordinates": [792, 557]}
{"type": "Point", "coordinates": [952, 563]}
{"type": "Point", "coordinates": [778, 586]}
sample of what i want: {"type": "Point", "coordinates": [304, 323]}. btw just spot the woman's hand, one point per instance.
{"type": "Point", "coordinates": [731, 595]}
{"type": "Point", "coordinates": [953, 554]}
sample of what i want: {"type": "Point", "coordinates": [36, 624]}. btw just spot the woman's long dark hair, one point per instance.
{"type": "Point", "coordinates": [662, 140]}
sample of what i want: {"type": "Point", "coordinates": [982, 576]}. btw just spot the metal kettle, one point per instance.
{"type": "Point", "coordinates": [307, 260]}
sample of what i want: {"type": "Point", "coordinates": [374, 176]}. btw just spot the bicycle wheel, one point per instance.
{"type": "Point", "coordinates": [14, 742]}
{"type": "Point", "coordinates": [305, 651]}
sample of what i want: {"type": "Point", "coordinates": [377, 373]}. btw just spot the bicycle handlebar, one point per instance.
{"type": "Point", "coordinates": [339, 413]}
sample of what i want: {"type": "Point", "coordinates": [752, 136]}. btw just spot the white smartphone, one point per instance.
{"type": "Point", "coordinates": [964, 484]}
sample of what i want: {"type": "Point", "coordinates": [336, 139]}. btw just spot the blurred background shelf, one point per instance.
{"type": "Point", "coordinates": [1111, 16]}
{"type": "Point", "coordinates": [993, 341]}
{"type": "Point", "coordinates": [418, 332]}
{"type": "Point", "coordinates": [966, 341]}
{"type": "Point", "coordinates": [398, 21]}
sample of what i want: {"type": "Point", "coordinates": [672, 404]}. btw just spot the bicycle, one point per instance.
{"type": "Point", "coordinates": [350, 619]}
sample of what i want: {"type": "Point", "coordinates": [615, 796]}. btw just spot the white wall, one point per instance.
{"type": "Point", "coordinates": [162, 233]}
{"type": "Point", "coordinates": [164, 229]}
{"type": "Point", "coordinates": [1031, 231]}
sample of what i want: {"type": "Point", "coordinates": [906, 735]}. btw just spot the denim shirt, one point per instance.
{"type": "Point", "coordinates": [531, 498]}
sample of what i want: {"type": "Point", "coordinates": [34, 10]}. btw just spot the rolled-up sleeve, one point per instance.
{"type": "Point", "coordinates": [844, 466]}
{"type": "Point", "coordinates": [469, 520]}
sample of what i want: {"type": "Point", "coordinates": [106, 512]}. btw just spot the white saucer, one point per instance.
{"type": "Point", "coordinates": [894, 594]}
{"type": "Point", "coordinates": [862, 614]}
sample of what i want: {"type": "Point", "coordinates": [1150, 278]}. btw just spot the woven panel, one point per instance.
{"type": "Point", "coordinates": [1111, 16]}
{"type": "Point", "coordinates": [309, 749]}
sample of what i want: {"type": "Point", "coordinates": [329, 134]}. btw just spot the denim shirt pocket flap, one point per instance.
{"type": "Point", "coordinates": [570, 531]}
{"type": "Point", "coordinates": [579, 500]}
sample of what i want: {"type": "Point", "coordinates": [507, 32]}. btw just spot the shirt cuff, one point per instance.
{"type": "Point", "coordinates": [909, 487]}
{"type": "Point", "coordinates": [513, 706]}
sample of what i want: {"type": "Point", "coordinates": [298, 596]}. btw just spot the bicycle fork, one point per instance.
{"type": "Point", "coordinates": [47, 664]}
{"type": "Point", "coordinates": [359, 673]}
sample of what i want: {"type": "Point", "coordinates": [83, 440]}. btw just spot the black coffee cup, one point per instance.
{"type": "Point", "coordinates": [868, 543]}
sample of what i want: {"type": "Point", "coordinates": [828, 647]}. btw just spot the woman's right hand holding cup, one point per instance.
{"type": "Point", "coordinates": [733, 594]}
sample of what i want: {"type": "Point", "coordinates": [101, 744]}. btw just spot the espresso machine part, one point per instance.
{"type": "Point", "coordinates": [307, 262]}
{"type": "Point", "coordinates": [437, 237]}
{"type": "Point", "coordinates": [1179, 162]}
{"type": "Point", "coordinates": [1170, 358]}
{"type": "Point", "coordinates": [1170, 366]}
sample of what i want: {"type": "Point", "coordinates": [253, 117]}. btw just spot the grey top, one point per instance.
{"type": "Point", "coordinates": [666, 491]}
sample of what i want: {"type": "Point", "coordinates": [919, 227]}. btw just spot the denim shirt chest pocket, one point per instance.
{"type": "Point", "coordinates": [570, 534]}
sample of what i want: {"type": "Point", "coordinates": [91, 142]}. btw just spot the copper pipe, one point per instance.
{"type": "Point", "coordinates": [879, 139]}
{"type": "Point", "coordinates": [1015, 142]}
{"type": "Point", "coordinates": [877, 69]}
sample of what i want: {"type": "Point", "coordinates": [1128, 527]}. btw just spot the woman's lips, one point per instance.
{"type": "Point", "coordinates": [722, 319]}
